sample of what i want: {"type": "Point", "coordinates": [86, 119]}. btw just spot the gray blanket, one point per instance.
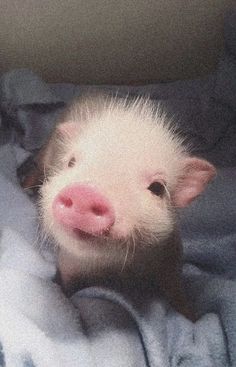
{"type": "Point", "coordinates": [98, 327]}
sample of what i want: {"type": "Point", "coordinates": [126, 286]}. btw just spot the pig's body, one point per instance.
{"type": "Point", "coordinates": [114, 172]}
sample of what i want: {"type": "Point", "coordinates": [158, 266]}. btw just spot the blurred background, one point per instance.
{"type": "Point", "coordinates": [110, 41]}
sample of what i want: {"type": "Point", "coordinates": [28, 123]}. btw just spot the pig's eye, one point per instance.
{"type": "Point", "coordinates": [71, 162]}
{"type": "Point", "coordinates": [157, 188]}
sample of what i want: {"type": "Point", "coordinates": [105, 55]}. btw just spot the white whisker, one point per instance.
{"type": "Point", "coordinates": [134, 244]}
{"type": "Point", "coordinates": [126, 256]}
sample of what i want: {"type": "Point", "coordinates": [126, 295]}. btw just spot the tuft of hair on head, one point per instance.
{"type": "Point", "coordinates": [94, 105]}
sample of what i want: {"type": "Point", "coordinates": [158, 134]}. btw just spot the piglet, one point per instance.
{"type": "Point", "coordinates": [113, 174]}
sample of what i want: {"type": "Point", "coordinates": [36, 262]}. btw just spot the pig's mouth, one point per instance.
{"type": "Point", "coordinates": [97, 235]}
{"type": "Point", "coordinates": [89, 237]}
{"type": "Point", "coordinates": [84, 235]}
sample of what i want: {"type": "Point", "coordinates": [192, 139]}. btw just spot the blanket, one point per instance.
{"type": "Point", "coordinates": [39, 325]}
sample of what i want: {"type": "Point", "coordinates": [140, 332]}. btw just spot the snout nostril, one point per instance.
{"type": "Point", "coordinates": [66, 202]}
{"type": "Point", "coordinates": [99, 211]}
{"type": "Point", "coordinates": [84, 208]}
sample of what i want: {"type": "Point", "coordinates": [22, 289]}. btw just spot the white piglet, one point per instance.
{"type": "Point", "coordinates": [113, 173]}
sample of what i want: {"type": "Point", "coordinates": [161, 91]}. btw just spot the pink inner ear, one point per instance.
{"type": "Point", "coordinates": [67, 128]}
{"type": "Point", "coordinates": [197, 174]}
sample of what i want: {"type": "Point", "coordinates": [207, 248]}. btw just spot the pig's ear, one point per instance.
{"type": "Point", "coordinates": [197, 173]}
{"type": "Point", "coordinates": [32, 176]}
{"type": "Point", "coordinates": [66, 129]}
{"type": "Point", "coordinates": [35, 175]}
{"type": "Point", "coordinates": [31, 179]}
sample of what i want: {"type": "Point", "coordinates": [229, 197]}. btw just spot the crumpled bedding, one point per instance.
{"type": "Point", "coordinates": [39, 326]}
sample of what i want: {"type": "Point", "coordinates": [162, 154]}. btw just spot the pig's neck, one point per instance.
{"type": "Point", "coordinates": [101, 266]}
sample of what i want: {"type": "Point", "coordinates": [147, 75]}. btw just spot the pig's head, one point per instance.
{"type": "Point", "coordinates": [115, 172]}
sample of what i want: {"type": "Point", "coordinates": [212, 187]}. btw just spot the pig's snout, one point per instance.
{"type": "Point", "coordinates": [84, 208]}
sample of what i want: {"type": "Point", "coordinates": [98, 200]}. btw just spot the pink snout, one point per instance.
{"type": "Point", "coordinates": [83, 207]}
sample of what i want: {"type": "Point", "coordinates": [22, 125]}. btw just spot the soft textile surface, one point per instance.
{"type": "Point", "coordinates": [98, 327]}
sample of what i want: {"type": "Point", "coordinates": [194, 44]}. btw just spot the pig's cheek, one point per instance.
{"type": "Point", "coordinates": [55, 184]}
{"type": "Point", "coordinates": [155, 217]}
{"type": "Point", "coordinates": [64, 239]}
{"type": "Point", "coordinates": [165, 220]}
{"type": "Point", "coordinates": [45, 208]}
{"type": "Point", "coordinates": [122, 229]}
{"type": "Point", "coordinates": [125, 218]}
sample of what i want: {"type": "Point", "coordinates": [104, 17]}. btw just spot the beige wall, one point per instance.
{"type": "Point", "coordinates": [111, 41]}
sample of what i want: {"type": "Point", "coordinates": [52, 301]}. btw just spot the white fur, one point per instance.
{"type": "Point", "coordinates": [121, 147]}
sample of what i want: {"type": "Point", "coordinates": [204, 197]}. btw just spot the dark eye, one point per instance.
{"type": "Point", "coordinates": [157, 188]}
{"type": "Point", "coordinates": [71, 162]}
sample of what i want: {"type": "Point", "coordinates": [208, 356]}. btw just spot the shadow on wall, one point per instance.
{"type": "Point", "coordinates": [111, 41]}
